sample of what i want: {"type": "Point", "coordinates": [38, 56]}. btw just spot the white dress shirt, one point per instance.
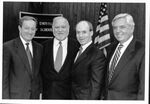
{"type": "Point", "coordinates": [25, 46]}
{"type": "Point", "coordinates": [125, 45]}
{"type": "Point", "coordinates": [83, 49]}
{"type": "Point", "coordinates": [64, 44]}
{"type": "Point", "coordinates": [85, 46]}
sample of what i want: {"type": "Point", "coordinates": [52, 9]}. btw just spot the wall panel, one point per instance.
{"type": "Point", "coordinates": [74, 12]}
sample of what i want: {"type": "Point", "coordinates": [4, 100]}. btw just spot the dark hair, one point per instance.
{"type": "Point", "coordinates": [22, 19]}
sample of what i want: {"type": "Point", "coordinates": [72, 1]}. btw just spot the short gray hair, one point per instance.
{"type": "Point", "coordinates": [127, 16]}
{"type": "Point", "coordinates": [60, 17]}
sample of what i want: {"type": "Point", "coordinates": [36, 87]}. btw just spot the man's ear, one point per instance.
{"type": "Point", "coordinates": [19, 28]}
{"type": "Point", "coordinates": [132, 29]}
{"type": "Point", "coordinates": [91, 32]}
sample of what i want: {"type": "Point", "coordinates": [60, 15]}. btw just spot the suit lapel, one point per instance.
{"type": "Point", "coordinates": [68, 56]}
{"type": "Point", "coordinates": [83, 55]}
{"type": "Point", "coordinates": [22, 54]}
{"type": "Point", "coordinates": [127, 55]}
{"type": "Point", "coordinates": [50, 54]}
{"type": "Point", "coordinates": [35, 57]}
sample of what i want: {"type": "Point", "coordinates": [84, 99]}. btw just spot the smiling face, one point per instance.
{"type": "Point", "coordinates": [27, 30]}
{"type": "Point", "coordinates": [60, 28]}
{"type": "Point", "coordinates": [83, 33]}
{"type": "Point", "coordinates": [122, 30]}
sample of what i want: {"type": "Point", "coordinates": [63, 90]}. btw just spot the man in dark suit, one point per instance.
{"type": "Point", "coordinates": [89, 66]}
{"type": "Point", "coordinates": [58, 57]}
{"type": "Point", "coordinates": [21, 63]}
{"type": "Point", "coordinates": [126, 62]}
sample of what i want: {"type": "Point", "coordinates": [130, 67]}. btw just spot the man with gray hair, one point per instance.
{"type": "Point", "coordinates": [126, 65]}
{"type": "Point", "coordinates": [58, 57]}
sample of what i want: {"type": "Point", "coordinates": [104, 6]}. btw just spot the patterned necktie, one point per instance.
{"type": "Point", "coordinates": [114, 61]}
{"type": "Point", "coordinates": [29, 55]}
{"type": "Point", "coordinates": [58, 61]}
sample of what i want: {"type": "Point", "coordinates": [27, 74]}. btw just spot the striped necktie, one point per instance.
{"type": "Point", "coordinates": [114, 61]}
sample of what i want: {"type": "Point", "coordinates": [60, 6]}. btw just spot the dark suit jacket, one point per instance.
{"type": "Point", "coordinates": [88, 74]}
{"type": "Point", "coordinates": [56, 85]}
{"type": "Point", "coordinates": [127, 82]}
{"type": "Point", "coordinates": [18, 80]}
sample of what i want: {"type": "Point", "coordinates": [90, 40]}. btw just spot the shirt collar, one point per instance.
{"type": "Point", "coordinates": [24, 42]}
{"type": "Point", "coordinates": [127, 42]}
{"type": "Point", "coordinates": [86, 45]}
{"type": "Point", "coordinates": [56, 41]}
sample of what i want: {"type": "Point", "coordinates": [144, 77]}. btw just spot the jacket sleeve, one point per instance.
{"type": "Point", "coordinates": [97, 78]}
{"type": "Point", "coordinates": [141, 69]}
{"type": "Point", "coordinates": [6, 69]}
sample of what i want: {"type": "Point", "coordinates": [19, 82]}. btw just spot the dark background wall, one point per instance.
{"type": "Point", "coordinates": [74, 12]}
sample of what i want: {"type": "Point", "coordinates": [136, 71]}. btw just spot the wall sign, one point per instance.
{"type": "Point", "coordinates": [44, 23]}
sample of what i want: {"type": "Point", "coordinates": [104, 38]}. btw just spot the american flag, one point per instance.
{"type": "Point", "coordinates": [102, 38]}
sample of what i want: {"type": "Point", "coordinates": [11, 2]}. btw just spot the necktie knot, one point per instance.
{"type": "Point", "coordinates": [80, 49]}
{"type": "Point", "coordinates": [60, 43]}
{"type": "Point", "coordinates": [27, 44]}
{"type": "Point", "coordinates": [120, 46]}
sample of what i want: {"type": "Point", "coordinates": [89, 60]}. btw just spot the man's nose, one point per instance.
{"type": "Point", "coordinates": [59, 29]}
{"type": "Point", "coordinates": [117, 29]}
{"type": "Point", "coordinates": [30, 31]}
{"type": "Point", "coordinates": [80, 34]}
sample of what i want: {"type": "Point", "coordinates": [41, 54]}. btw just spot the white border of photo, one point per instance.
{"type": "Point", "coordinates": [147, 33]}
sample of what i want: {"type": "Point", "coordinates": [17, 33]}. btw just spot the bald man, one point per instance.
{"type": "Point", "coordinates": [55, 76]}
{"type": "Point", "coordinates": [89, 66]}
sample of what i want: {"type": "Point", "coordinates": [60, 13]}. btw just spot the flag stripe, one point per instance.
{"type": "Point", "coordinates": [97, 28]}
{"type": "Point", "coordinates": [104, 28]}
{"type": "Point", "coordinates": [96, 39]}
{"type": "Point", "coordinates": [102, 38]}
{"type": "Point", "coordinates": [104, 23]}
{"type": "Point", "coordinates": [104, 18]}
{"type": "Point", "coordinates": [104, 32]}
{"type": "Point", "coordinates": [104, 44]}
